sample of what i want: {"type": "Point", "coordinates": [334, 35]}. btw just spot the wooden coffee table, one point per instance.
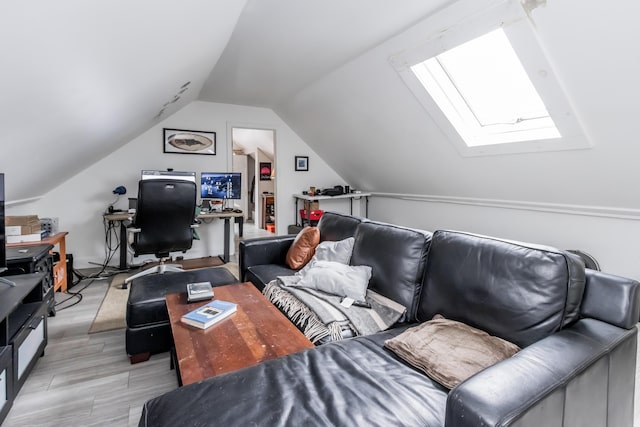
{"type": "Point", "coordinates": [258, 331]}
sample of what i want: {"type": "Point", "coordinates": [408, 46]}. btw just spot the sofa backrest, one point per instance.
{"type": "Point", "coordinates": [335, 226]}
{"type": "Point", "coordinates": [516, 291]}
{"type": "Point", "coordinates": [397, 257]}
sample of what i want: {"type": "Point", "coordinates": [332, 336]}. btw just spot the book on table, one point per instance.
{"type": "Point", "coordinates": [209, 314]}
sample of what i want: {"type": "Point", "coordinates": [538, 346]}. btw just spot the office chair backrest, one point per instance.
{"type": "Point", "coordinates": [165, 213]}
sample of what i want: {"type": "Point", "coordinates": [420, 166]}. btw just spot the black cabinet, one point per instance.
{"type": "Point", "coordinates": [6, 381]}
{"type": "Point", "coordinates": [23, 333]}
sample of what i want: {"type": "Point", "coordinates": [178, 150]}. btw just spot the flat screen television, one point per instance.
{"type": "Point", "coordinates": [157, 174]}
{"type": "Point", "coordinates": [3, 237]}
{"type": "Point", "coordinates": [220, 185]}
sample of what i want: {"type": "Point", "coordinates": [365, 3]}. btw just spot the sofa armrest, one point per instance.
{"type": "Point", "coordinates": [611, 299]}
{"type": "Point", "coordinates": [582, 375]}
{"type": "Point", "coordinates": [262, 251]}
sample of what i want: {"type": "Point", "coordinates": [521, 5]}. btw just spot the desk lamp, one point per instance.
{"type": "Point", "coordinates": [118, 191]}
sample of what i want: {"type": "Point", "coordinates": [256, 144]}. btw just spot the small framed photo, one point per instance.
{"type": "Point", "coordinates": [302, 163]}
{"type": "Point", "coordinates": [189, 142]}
{"type": "Point", "coordinates": [265, 171]}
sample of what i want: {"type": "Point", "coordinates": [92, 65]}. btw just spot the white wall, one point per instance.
{"type": "Point", "coordinates": [612, 241]}
{"type": "Point", "coordinates": [80, 201]}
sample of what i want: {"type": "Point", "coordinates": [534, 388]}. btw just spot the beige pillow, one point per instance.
{"type": "Point", "coordinates": [303, 247]}
{"type": "Point", "coordinates": [449, 352]}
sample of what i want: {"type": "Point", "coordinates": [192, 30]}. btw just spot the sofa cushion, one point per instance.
{"type": "Point", "coordinates": [356, 382]}
{"type": "Point", "coordinates": [339, 251]}
{"type": "Point", "coordinates": [303, 247]}
{"type": "Point", "coordinates": [337, 226]}
{"type": "Point", "coordinates": [397, 258]}
{"type": "Point", "coordinates": [516, 291]}
{"type": "Point", "coordinates": [449, 351]}
{"type": "Point", "coordinates": [260, 275]}
{"type": "Point", "coordinates": [338, 279]}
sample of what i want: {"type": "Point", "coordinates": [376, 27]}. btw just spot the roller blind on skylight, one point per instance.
{"type": "Point", "coordinates": [485, 92]}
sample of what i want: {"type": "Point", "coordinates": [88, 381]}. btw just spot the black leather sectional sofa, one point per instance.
{"type": "Point", "coordinates": [576, 328]}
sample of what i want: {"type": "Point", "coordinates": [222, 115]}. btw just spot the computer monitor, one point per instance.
{"type": "Point", "coordinates": [157, 174]}
{"type": "Point", "coordinates": [220, 185]}
{"type": "Point", "coordinates": [3, 237]}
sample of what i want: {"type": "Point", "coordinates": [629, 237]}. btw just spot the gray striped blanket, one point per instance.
{"type": "Point", "coordinates": [320, 315]}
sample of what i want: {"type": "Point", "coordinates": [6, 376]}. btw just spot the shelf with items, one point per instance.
{"type": "Point", "coordinates": [312, 203]}
{"type": "Point", "coordinates": [268, 212]}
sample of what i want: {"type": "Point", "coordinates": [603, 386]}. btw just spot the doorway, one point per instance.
{"type": "Point", "coordinates": [254, 158]}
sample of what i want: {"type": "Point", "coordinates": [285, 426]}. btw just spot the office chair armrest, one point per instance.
{"type": "Point", "coordinates": [130, 232]}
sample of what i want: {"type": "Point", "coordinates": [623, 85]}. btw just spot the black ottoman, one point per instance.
{"type": "Point", "coordinates": [148, 329]}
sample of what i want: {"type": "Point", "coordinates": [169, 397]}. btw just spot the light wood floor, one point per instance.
{"type": "Point", "coordinates": [87, 380]}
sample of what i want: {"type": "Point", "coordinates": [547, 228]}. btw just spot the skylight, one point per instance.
{"type": "Point", "coordinates": [484, 91]}
{"type": "Point", "coordinates": [484, 79]}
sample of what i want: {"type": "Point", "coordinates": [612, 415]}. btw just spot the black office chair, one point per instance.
{"type": "Point", "coordinates": [163, 222]}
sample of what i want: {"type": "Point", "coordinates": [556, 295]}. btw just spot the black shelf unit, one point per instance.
{"type": "Point", "coordinates": [23, 333]}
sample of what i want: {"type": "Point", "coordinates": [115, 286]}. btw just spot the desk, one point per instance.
{"type": "Point", "coordinates": [124, 218]}
{"type": "Point", "coordinates": [60, 267]}
{"type": "Point", "coordinates": [239, 217]}
{"type": "Point", "coordinates": [306, 199]}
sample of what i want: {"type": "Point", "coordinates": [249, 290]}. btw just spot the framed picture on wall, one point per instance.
{"type": "Point", "coordinates": [189, 142]}
{"type": "Point", "coordinates": [265, 171]}
{"type": "Point", "coordinates": [302, 163]}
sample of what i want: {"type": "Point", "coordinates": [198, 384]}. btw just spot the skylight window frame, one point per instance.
{"type": "Point", "coordinates": [510, 16]}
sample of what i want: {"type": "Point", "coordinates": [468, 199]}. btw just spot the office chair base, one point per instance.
{"type": "Point", "coordinates": [158, 269]}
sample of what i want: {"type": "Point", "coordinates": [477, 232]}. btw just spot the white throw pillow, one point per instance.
{"type": "Point", "coordinates": [338, 279]}
{"type": "Point", "coordinates": [339, 251]}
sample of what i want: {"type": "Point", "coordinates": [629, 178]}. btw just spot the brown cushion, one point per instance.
{"type": "Point", "coordinates": [449, 352]}
{"type": "Point", "coordinates": [303, 247]}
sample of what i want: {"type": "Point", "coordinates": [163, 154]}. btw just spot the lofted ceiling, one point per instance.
{"type": "Point", "coordinates": [80, 79]}
{"type": "Point", "coordinates": [280, 46]}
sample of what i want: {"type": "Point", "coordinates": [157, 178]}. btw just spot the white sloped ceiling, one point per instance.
{"type": "Point", "coordinates": [81, 78]}
{"type": "Point", "coordinates": [364, 122]}
{"type": "Point", "coordinates": [280, 46]}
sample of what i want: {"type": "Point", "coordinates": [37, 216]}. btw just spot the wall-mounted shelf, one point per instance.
{"type": "Point", "coordinates": [308, 200]}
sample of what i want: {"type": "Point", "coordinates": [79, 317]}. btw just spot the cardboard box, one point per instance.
{"type": "Point", "coordinates": [29, 224]}
{"type": "Point", "coordinates": [22, 220]}
{"type": "Point", "coordinates": [13, 230]}
{"type": "Point", "coordinates": [23, 238]}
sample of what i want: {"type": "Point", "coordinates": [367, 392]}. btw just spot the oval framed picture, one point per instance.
{"type": "Point", "coordinates": [189, 141]}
